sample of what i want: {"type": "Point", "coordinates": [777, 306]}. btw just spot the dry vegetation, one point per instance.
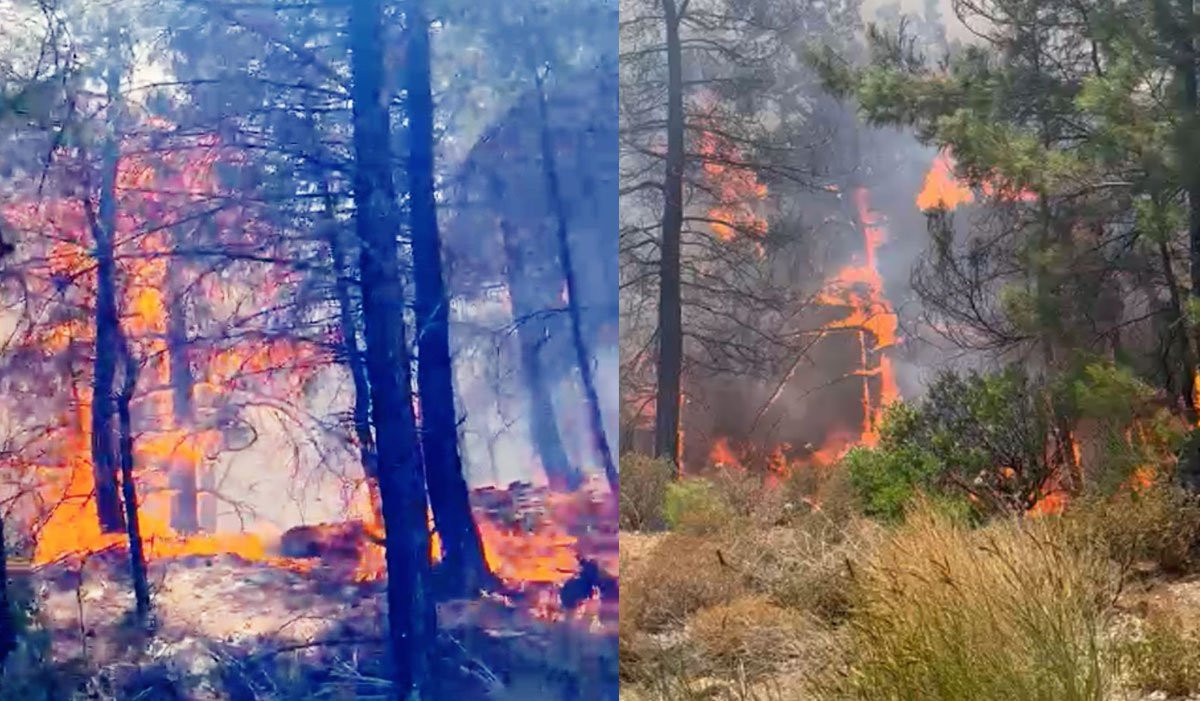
{"type": "Point", "coordinates": [1099, 604]}
{"type": "Point", "coordinates": [233, 630]}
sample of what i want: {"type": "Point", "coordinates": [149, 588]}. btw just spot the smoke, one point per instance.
{"type": "Point", "coordinates": [955, 30]}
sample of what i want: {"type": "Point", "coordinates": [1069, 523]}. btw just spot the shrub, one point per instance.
{"type": "Point", "coordinates": [748, 636]}
{"type": "Point", "coordinates": [982, 433]}
{"type": "Point", "coordinates": [643, 491]}
{"type": "Point", "coordinates": [1015, 611]}
{"type": "Point", "coordinates": [807, 565]}
{"type": "Point", "coordinates": [682, 575]}
{"type": "Point", "coordinates": [1157, 524]}
{"type": "Point", "coordinates": [1165, 658]}
{"type": "Point", "coordinates": [747, 496]}
{"type": "Point", "coordinates": [695, 506]}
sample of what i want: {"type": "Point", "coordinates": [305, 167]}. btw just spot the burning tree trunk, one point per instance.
{"type": "Point", "coordinates": [531, 337]}
{"type": "Point", "coordinates": [670, 303]}
{"type": "Point", "coordinates": [462, 548]}
{"type": "Point", "coordinates": [411, 618]}
{"type": "Point", "coordinates": [137, 560]}
{"type": "Point", "coordinates": [108, 505]}
{"type": "Point", "coordinates": [582, 356]}
{"type": "Point", "coordinates": [8, 634]}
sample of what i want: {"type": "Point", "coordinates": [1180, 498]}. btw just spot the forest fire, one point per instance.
{"type": "Point", "coordinates": [856, 291]}
{"type": "Point", "coordinates": [177, 416]}
{"type": "Point", "coordinates": [733, 187]}
{"type": "Point", "coordinates": [942, 189]}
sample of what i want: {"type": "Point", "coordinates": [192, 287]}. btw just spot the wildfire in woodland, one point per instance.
{"type": "Point", "coordinates": [734, 188]}
{"type": "Point", "coordinates": [168, 443]}
{"type": "Point", "coordinates": [858, 288]}
{"type": "Point", "coordinates": [169, 439]}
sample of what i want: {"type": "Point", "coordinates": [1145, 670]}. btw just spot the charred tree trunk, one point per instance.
{"type": "Point", "coordinates": [532, 333]}
{"type": "Point", "coordinates": [582, 355]}
{"type": "Point", "coordinates": [670, 297]}
{"type": "Point", "coordinates": [1179, 334]}
{"type": "Point", "coordinates": [1180, 30]}
{"type": "Point", "coordinates": [185, 516]}
{"type": "Point", "coordinates": [448, 495]}
{"type": "Point", "coordinates": [8, 633]}
{"type": "Point", "coordinates": [351, 351]}
{"type": "Point", "coordinates": [108, 503]}
{"type": "Point", "coordinates": [137, 559]}
{"type": "Point", "coordinates": [353, 354]}
{"type": "Point", "coordinates": [412, 625]}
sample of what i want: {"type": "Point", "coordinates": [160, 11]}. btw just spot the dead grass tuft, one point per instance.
{"type": "Point", "coordinates": [680, 576]}
{"type": "Point", "coordinates": [1014, 611]}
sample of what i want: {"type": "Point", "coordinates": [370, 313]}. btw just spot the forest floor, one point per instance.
{"type": "Point", "coordinates": [228, 628]}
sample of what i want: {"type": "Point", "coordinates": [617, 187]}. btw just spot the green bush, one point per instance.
{"type": "Point", "coordinates": [643, 491]}
{"type": "Point", "coordinates": [976, 435]}
{"type": "Point", "coordinates": [695, 505]}
{"type": "Point", "coordinates": [1125, 419]}
{"type": "Point", "coordinates": [886, 480]}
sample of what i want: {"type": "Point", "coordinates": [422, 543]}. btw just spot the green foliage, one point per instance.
{"type": "Point", "coordinates": [978, 435]}
{"type": "Point", "coordinates": [886, 479]}
{"type": "Point", "coordinates": [1126, 422]}
{"type": "Point", "coordinates": [1110, 392]}
{"type": "Point", "coordinates": [643, 491]}
{"type": "Point", "coordinates": [695, 505]}
{"type": "Point", "coordinates": [1020, 307]}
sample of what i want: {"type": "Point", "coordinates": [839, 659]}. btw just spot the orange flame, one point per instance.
{"type": "Point", "coordinates": [734, 187]}
{"type": "Point", "coordinates": [859, 288]}
{"type": "Point", "coordinates": [942, 190]}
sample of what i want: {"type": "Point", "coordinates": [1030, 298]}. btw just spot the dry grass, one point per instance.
{"type": "Point", "coordinates": [1015, 611]}
{"type": "Point", "coordinates": [680, 576]}
{"type": "Point", "coordinates": [830, 607]}
{"type": "Point", "coordinates": [806, 566]}
{"type": "Point", "coordinates": [1158, 525]}
{"type": "Point", "coordinates": [1164, 657]}
{"type": "Point", "coordinates": [750, 638]}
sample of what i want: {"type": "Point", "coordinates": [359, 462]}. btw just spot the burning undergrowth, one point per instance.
{"type": "Point", "coordinates": [227, 606]}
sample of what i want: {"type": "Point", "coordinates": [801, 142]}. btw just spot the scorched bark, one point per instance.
{"type": "Point", "coordinates": [108, 504]}
{"type": "Point", "coordinates": [462, 548]}
{"type": "Point", "coordinates": [411, 620]}
{"type": "Point", "coordinates": [670, 304]}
